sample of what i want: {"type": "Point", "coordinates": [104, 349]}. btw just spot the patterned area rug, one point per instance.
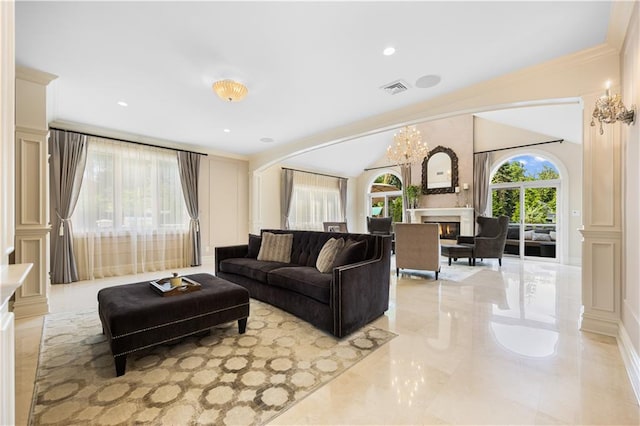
{"type": "Point", "coordinates": [223, 378]}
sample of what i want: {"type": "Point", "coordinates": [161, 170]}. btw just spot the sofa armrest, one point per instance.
{"type": "Point", "coordinates": [360, 291]}
{"type": "Point", "coordinates": [463, 239]}
{"type": "Point", "coordinates": [229, 252]}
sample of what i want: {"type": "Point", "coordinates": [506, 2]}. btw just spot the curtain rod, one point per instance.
{"type": "Point", "coordinates": [313, 173]}
{"type": "Point", "coordinates": [127, 141]}
{"type": "Point", "coordinates": [519, 146]}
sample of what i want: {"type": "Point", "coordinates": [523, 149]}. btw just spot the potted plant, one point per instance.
{"type": "Point", "coordinates": [413, 192]}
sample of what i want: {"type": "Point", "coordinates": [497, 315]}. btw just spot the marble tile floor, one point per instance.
{"type": "Point", "coordinates": [482, 345]}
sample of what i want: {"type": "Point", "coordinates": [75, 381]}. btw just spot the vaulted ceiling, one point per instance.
{"type": "Point", "coordinates": [309, 66]}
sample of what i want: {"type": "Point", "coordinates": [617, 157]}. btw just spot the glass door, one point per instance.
{"type": "Point", "coordinates": [532, 211]}
{"type": "Point", "coordinates": [505, 201]}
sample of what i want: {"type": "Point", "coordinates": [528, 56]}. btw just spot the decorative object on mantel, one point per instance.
{"type": "Point", "coordinates": [440, 171]}
{"type": "Point", "coordinates": [465, 187]}
{"type": "Point", "coordinates": [408, 148]}
{"type": "Point", "coordinates": [610, 109]}
{"type": "Point", "coordinates": [230, 90]}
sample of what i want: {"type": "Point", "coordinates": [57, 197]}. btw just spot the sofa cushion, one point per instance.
{"type": "Point", "coordinates": [328, 254]}
{"type": "Point", "coordinates": [305, 280]}
{"type": "Point", "coordinates": [541, 237]}
{"type": "Point", "coordinates": [513, 232]}
{"type": "Point", "coordinates": [353, 252]}
{"type": "Point", "coordinates": [254, 246]}
{"type": "Point", "coordinates": [276, 248]}
{"type": "Point", "coordinates": [250, 268]}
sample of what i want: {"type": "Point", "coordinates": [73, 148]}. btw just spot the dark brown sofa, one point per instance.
{"type": "Point", "coordinates": [339, 302]}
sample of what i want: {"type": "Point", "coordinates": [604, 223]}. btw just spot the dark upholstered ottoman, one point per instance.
{"type": "Point", "coordinates": [135, 317]}
{"type": "Point", "coordinates": [457, 251]}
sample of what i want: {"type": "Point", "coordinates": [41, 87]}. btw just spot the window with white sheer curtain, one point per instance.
{"type": "Point", "coordinates": [315, 199]}
{"type": "Point", "coordinates": [131, 216]}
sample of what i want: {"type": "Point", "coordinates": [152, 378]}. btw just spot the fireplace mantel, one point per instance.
{"type": "Point", "coordinates": [464, 215]}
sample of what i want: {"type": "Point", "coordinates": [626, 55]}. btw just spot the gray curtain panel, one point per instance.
{"type": "Point", "coordinates": [68, 152]}
{"type": "Point", "coordinates": [285, 199]}
{"type": "Point", "coordinates": [405, 174]}
{"type": "Point", "coordinates": [481, 182]}
{"type": "Point", "coordinates": [342, 185]}
{"type": "Point", "coordinates": [189, 167]}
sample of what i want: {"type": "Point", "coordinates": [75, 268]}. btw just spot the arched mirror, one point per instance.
{"type": "Point", "coordinates": [440, 171]}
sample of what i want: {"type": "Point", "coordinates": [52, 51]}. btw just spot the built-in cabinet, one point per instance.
{"type": "Point", "coordinates": [32, 226]}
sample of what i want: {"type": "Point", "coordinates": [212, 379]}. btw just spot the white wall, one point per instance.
{"type": "Point", "coordinates": [568, 158]}
{"type": "Point", "coordinates": [630, 309]}
{"type": "Point", "coordinates": [266, 198]}
{"type": "Point", "coordinates": [224, 203]}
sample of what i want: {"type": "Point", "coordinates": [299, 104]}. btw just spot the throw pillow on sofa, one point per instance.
{"type": "Point", "coordinates": [353, 252]}
{"type": "Point", "coordinates": [328, 254]}
{"type": "Point", "coordinates": [276, 247]}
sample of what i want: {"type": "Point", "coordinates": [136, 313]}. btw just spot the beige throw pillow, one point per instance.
{"type": "Point", "coordinates": [328, 254]}
{"type": "Point", "coordinates": [276, 247]}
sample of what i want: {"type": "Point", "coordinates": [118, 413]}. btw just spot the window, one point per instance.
{"type": "Point", "coordinates": [315, 199]}
{"type": "Point", "coordinates": [129, 187]}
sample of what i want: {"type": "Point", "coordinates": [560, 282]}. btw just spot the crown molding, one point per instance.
{"type": "Point", "coordinates": [619, 19]}
{"type": "Point", "coordinates": [33, 75]}
{"type": "Point", "coordinates": [535, 84]}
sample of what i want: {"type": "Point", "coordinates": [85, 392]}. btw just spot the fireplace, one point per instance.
{"type": "Point", "coordinates": [448, 230]}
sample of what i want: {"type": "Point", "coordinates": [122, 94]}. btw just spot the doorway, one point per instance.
{"type": "Point", "coordinates": [526, 189]}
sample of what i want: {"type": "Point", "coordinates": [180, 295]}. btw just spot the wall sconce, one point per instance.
{"type": "Point", "coordinates": [610, 109]}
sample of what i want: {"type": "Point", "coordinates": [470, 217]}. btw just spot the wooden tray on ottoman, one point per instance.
{"type": "Point", "coordinates": [163, 287]}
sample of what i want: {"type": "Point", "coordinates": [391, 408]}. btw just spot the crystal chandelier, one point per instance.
{"type": "Point", "coordinates": [408, 146]}
{"type": "Point", "coordinates": [230, 90]}
{"type": "Point", "coordinates": [610, 109]}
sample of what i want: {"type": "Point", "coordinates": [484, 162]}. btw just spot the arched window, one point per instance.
{"type": "Point", "coordinates": [385, 197]}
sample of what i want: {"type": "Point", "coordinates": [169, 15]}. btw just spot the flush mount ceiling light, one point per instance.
{"type": "Point", "coordinates": [230, 90]}
{"type": "Point", "coordinates": [389, 51]}
{"type": "Point", "coordinates": [122, 103]}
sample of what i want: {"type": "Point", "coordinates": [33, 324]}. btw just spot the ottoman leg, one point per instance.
{"type": "Point", "coordinates": [449, 261]}
{"type": "Point", "coordinates": [242, 325]}
{"type": "Point", "coordinates": [121, 364]}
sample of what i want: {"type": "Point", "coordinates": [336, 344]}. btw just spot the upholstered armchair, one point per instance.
{"type": "Point", "coordinates": [490, 239]}
{"type": "Point", "coordinates": [418, 247]}
{"type": "Point", "coordinates": [382, 226]}
{"type": "Point", "coordinates": [379, 225]}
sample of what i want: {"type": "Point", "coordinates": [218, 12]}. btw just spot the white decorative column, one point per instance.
{"type": "Point", "coordinates": [602, 225]}
{"type": "Point", "coordinates": [32, 190]}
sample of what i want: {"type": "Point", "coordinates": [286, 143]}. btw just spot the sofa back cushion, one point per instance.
{"type": "Point", "coordinates": [307, 244]}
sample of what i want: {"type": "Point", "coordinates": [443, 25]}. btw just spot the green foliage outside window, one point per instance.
{"type": "Point", "coordinates": [540, 203]}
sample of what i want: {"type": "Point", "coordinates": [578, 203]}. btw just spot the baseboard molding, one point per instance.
{"type": "Point", "coordinates": [30, 309]}
{"type": "Point", "coordinates": [631, 360]}
{"type": "Point", "coordinates": [598, 325]}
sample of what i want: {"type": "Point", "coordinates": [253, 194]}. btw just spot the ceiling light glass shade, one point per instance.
{"type": "Point", "coordinates": [230, 90]}
{"type": "Point", "coordinates": [407, 146]}
{"type": "Point", "coordinates": [610, 109]}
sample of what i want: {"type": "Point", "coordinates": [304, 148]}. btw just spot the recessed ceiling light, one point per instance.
{"type": "Point", "coordinates": [123, 103]}
{"type": "Point", "coordinates": [227, 130]}
{"type": "Point", "coordinates": [266, 140]}
{"type": "Point", "coordinates": [427, 81]}
{"type": "Point", "coordinates": [389, 51]}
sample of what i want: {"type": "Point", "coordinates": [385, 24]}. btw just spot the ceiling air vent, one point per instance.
{"type": "Point", "coordinates": [396, 87]}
